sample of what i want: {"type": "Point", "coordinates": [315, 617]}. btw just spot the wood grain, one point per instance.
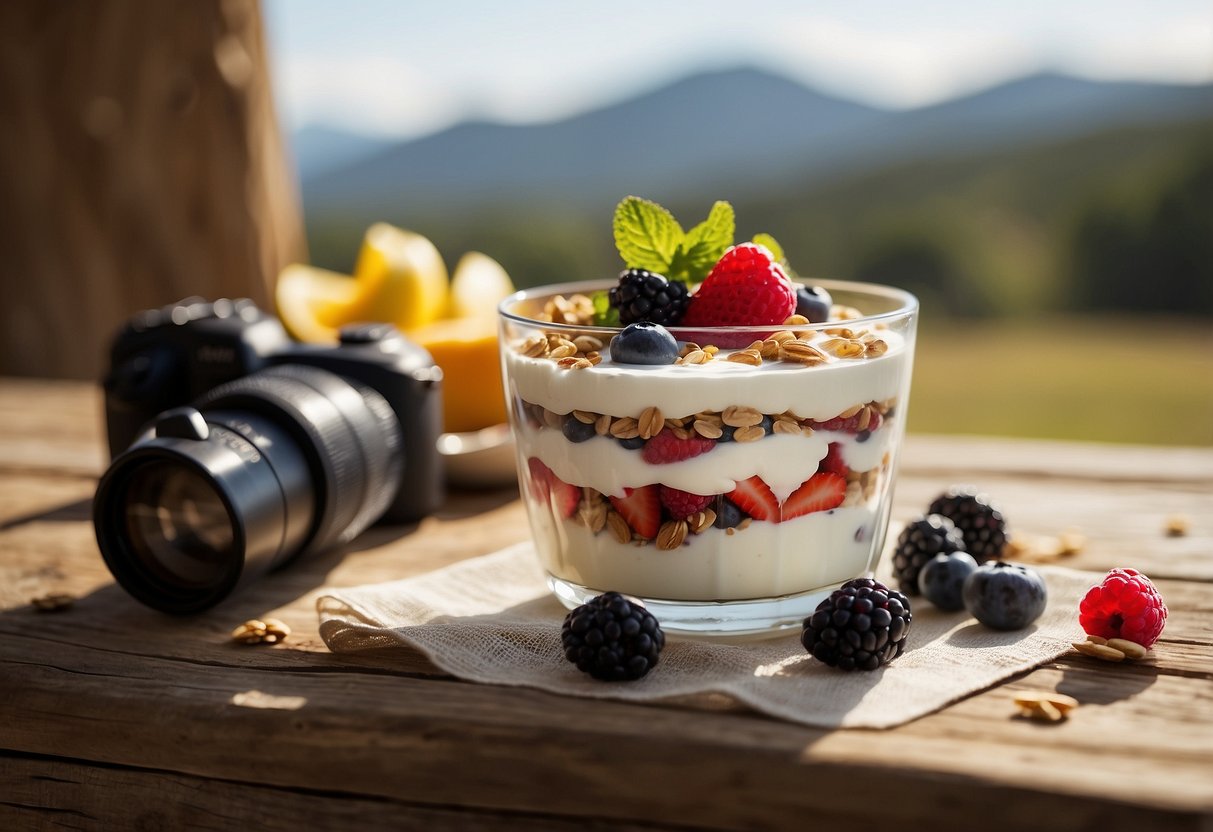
{"type": "Point", "coordinates": [115, 716]}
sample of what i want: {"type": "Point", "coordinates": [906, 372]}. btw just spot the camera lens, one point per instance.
{"type": "Point", "coordinates": [281, 463]}
{"type": "Point", "coordinates": [178, 525]}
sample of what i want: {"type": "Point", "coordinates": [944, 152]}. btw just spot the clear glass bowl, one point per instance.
{"type": "Point", "coordinates": [795, 449]}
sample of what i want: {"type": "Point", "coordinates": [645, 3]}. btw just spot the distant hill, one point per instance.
{"type": "Point", "coordinates": [737, 131]}
{"type": "Point", "coordinates": [318, 149]}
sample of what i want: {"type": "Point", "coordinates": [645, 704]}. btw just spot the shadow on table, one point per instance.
{"type": "Point", "coordinates": [110, 605]}
{"type": "Point", "coordinates": [68, 512]}
{"type": "Point", "coordinates": [1092, 688]}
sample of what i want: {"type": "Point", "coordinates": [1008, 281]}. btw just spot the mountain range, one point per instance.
{"type": "Point", "coordinates": [734, 131]}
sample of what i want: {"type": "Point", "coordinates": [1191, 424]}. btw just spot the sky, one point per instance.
{"type": "Point", "coordinates": [405, 69]}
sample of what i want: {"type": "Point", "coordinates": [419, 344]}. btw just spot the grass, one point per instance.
{"type": "Point", "coordinates": [1132, 380]}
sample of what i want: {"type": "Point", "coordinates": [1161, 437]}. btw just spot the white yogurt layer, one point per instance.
{"type": "Point", "coordinates": [765, 560]}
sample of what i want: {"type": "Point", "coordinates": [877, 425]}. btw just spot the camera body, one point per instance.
{"type": "Point", "coordinates": [174, 356]}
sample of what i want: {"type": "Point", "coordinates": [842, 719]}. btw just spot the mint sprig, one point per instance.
{"type": "Point", "coordinates": [646, 234]}
{"type": "Point", "coordinates": [648, 237]}
{"type": "Point", "coordinates": [768, 241]}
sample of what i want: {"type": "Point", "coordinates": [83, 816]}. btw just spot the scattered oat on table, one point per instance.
{"type": "Point", "coordinates": [53, 602]}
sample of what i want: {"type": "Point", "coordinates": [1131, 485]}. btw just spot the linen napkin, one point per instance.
{"type": "Point", "coordinates": [491, 619]}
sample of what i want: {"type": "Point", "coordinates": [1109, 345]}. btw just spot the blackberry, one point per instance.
{"type": "Point", "coordinates": [982, 525]}
{"type": "Point", "coordinates": [644, 296]}
{"type": "Point", "coordinates": [920, 541]}
{"type": "Point", "coordinates": [862, 625]}
{"type": "Point", "coordinates": [612, 638]}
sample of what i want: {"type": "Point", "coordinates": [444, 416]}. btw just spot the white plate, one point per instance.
{"type": "Point", "coordinates": [479, 458]}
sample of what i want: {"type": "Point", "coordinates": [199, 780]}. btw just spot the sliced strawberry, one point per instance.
{"type": "Point", "coordinates": [546, 487]}
{"type": "Point", "coordinates": [564, 497]}
{"type": "Point", "coordinates": [755, 498]}
{"type": "Point", "coordinates": [833, 462]}
{"type": "Point", "coordinates": [819, 492]}
{"type": "Point", "coordinates": [665, 447]}
{"type": "Point", "coordinates": [641, 507]}
{"type": "Point", "coordinates": [540, 483]}
{"type": "Point", "coordinates": [682, 504]}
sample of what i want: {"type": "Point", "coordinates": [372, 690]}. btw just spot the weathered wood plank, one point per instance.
{"type": "Point", "coordinates": [49, 793]}
{"type": "Point", "coordinates": [143, 704]}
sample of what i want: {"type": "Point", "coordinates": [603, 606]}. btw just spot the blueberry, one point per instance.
{"type": "Point", "coordinates": [644, 343]}
{"type": "Point", "coordinates": [728, 515]}
{"type": "Point", "coordinates": [942, 578]}
{"type": "Point", "coordinates": [1005, 596]}
{"type": "Point", "coordinates": [814, 303]}
{"type": "Point", "coordinates": [633, 444]}
{"type": "Point", "coordinates": [575, 430]}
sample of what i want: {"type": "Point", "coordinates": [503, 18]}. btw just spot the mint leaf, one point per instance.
{"type": "Point", "coordinates": [775, 248]}
{"type": "Point", "coordinates": [646, 234]}
{"type": "Point", "coordinates": [604, 313]}
{"type": "Point", "coordinates": [704, 244]}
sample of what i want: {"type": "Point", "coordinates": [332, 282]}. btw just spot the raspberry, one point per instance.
{"type": "Point", "coordinates": [833, 461]}
{"type": "Point", "coordinates": [666, 447]}
{"type": "Point", "coordinates": [682, 504]}
{"type": "Point", "coordinates": [849, 424]}
{"type": "Point", "coordinates": [744, 288]}
{"type": "Point", "coordinates": [644, 296]}
{"type": "Point", "coordinates": [1126, 605]}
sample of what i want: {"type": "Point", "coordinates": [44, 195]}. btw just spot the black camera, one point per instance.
{"type": "Point", "coordinates": [236, 449]}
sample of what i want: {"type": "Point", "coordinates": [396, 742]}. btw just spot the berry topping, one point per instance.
{"type": "Point", "coordinates": [981, 524]}
{"type": "Point", "coordinates": [745, 288]}
{"type": "Point", "coordinates": [1125, 605]}
{"type": "Point", "coordinates": [682, 504]}
{"type": "Point", "coordinates": [833, 462]}
{"type": "Point", "coordinates": [644, 296]}
{"type": "Point", "coordinates": [644, 343]}
{"type": "Point", "coordinates": [861, 626]}
{"type": "Point", "coordinates": [852, 424]}
{"type": "Point", "coordinates": [1005, 596]}
{"type": "Point", "coordinates": [612, 639]}
{"type": "Point", "coordinates": [814, 303]}
{"type": "Point", "coordinates": [920, 541]}
{"type": "Point", "coordinates": [728, 515]}
{"type": "Point", "coordinates": [755, 498]}
{"type": "Point", "coordinates": [942, 578]}
{"type": "Point", "coordinates": [549, 488]}
{"type": "Point", "coordinates": [666, 447]}
{"type": "Point", "coordinates": [821, 492]}
{"type": "Point", "coordinates": [641, 508]}
{"type": "Point", "coordinates": [576, 430]}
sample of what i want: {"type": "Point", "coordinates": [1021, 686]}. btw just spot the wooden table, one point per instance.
{"type": "Point", "coordinates": [117, 717]}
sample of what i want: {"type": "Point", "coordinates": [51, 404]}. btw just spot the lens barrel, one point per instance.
{"type": "Point", "coordinates": [281, 463]}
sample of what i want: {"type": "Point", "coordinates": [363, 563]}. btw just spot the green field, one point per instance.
{"type": "Point", "coordinates": [1145, 381]}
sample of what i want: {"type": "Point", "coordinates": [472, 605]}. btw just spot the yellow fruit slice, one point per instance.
{"type": "Point", "coordinates": [473, 396]}
{"type": "Point", "coordinates": [478, 284]}
{"type": "Point", "coordinates": [401, 279]}
{"type": "Point", "coordinates": [312, 302]}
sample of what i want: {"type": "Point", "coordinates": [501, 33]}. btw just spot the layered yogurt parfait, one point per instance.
{"type": "Point", "coordinates": [707, 434]}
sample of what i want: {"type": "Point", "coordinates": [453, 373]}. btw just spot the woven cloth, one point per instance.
{"type": "Point", "coordinates": [492, 620]}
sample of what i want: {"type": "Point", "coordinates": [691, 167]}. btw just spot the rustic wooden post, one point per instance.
{"type": "Point", "coordinates": [140, 162]}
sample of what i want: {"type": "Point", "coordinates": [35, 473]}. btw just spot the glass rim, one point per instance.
{"type": "Point", "coordinates": [907, 307]}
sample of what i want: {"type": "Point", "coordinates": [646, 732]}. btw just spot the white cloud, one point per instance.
{"type": "Point", "coordinates": [901, 68]}
{"type": "Point", "coordinates": [374, 94]}
{"type": "Point", "coordinates": [1181, 51]}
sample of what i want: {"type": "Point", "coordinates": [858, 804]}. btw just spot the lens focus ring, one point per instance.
{"type": "Point", "coordinates": [352, 448]}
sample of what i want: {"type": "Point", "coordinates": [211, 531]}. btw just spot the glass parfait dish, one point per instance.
{"type": "Point", "coordinates": [730, 491]}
